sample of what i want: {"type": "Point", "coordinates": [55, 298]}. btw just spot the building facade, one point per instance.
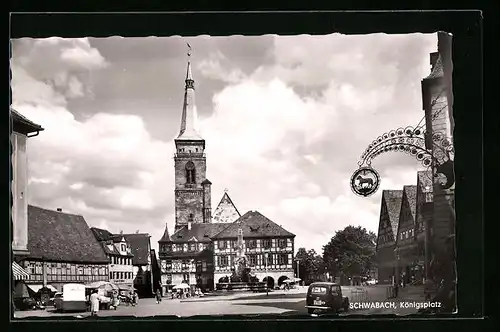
{"type": "Point", "coordinates": [407, 259]}
{"type": "Point", "coordinates": [268, 248]}
{"type": "Point", "coordinates": [437, 101]}
{"type": "Point", "coordinates": [390, 209]}
{"type": "Point", "coordinates": [140, 248]}
{"type": "Point", "coordinates": [22, 129]}
{"type": "Point", "coordinates": [425, 207]}
{"type": "Point", "coordinates": [121, 270]}
{"type": "Point", "coordinates": [62, 249]}
{"type": "Point", "coordinates": [189, 254]}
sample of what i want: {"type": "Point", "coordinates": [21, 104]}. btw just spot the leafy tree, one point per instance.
{"type": "Point", "coordinates": [310, 264]}
{"type": "Point", "coordinates": [350, 252]}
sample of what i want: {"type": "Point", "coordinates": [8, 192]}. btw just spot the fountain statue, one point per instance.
{"type": "Point", "coordinates": [241, 272]}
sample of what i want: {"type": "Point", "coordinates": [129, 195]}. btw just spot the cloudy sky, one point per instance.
{"type": "Point", "coordinates": [285, 120]}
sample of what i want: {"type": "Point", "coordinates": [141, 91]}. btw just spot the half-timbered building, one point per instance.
{"type": "Point", "coordinates": [268, 247]}
{"type": "Point", "coordinates": [62, 249]}
{"type": "Point", "coordinates": [387, 231]}
{"type": "Point", "coordinates": [121, 271]}
{"type": "Point", "coordinates": [406, 245]}
{"type": "Point", "coordinates": [424, 219]}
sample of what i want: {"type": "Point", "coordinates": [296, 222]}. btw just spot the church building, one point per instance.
{"type": "Point", "coordinates": [187, 255]}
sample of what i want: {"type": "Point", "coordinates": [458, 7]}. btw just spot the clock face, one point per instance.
{"type": "Point", "coordinates": [189, 165]}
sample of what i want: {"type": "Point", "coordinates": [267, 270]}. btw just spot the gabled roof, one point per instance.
{"type": "Point", "coordinates": [22, 124]}
{"type": "Point", "coordinates": [253, 224]}
{"type": "Point", "coordinates": [392, 200]}
{"type": "Point", "coordinates": [226, 211]}
{"type": "Point", "coordinates": [63, 237]}
{"type": "Point", "coordinates": [107, 239]}
{"type": "Point", "coordinates": [201, 232]}
{"type": "Point", "coordinates": [410, 195]}
{"type": "Point", "coordinates": [140, 246]}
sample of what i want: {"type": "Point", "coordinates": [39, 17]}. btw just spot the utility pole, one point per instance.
{"type": "Point", "coordinates": [298, 269]}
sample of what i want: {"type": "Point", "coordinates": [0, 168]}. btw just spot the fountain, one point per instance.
{"type": "Point", "coordinates": [241, 277]}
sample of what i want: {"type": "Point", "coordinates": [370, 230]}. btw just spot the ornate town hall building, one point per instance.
{"type": "Point", "coordinates": [202, 247]}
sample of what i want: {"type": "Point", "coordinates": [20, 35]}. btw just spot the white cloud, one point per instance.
{"type": "Point", "coordinates": [287, 154]}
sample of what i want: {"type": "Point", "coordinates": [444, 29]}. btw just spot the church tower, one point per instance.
{"type": "Point", "coordinates": [192, 189]}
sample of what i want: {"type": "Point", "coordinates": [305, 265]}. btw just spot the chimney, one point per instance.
{"type": "Point", "coordinates": [59, 210]}
{"type": "Point", "coordinates": [189, 225]}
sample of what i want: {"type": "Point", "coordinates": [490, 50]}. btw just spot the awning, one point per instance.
{"type": "Point", "coordinates": [19, 272]}
{"type": "Point", "coordinates": [37, 287]}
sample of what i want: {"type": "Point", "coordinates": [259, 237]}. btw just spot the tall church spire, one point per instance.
{"type": "Point", "coordinates": [188, 120]}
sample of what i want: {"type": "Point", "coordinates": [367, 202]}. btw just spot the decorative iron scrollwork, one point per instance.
{"type": "Point", "coordinates": [411, 141]}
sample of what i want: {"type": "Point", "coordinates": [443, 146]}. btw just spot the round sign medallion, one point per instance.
{"type": "Point", "coordinates": [365, 181]}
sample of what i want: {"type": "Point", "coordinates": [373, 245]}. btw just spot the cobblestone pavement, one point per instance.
{"type": "Point", "coordinates": [277, 302]}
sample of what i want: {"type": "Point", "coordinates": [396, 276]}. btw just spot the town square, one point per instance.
{"type": "Point", "coordinates": [181, 177]}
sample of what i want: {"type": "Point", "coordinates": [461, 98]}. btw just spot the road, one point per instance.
{"type": "Point", "coordinates": [278, 302]}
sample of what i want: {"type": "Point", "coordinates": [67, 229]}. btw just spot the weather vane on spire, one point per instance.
{"type": "Point", "coordinates": [189, 49]}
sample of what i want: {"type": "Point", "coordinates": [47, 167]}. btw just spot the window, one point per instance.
{"type": "Point", "coordinates": [282, 259]}
{"type": "Point", "coordinates": [190, 173]}
{"type": "Point", "coordinates": [185, 265]}
{"type": "Point", "coordinates": [185, 278]}
{"type": "Point", "coordinates": [335, 290]}
{"type": "Point", "coordinates": [124, 247]}
{"type": "Point", "coordinates": [251, 244]}
{"type": "Point", "coordinates": [223, 261]}
{"type": "Point", "coordinates": [318, 290]}
{"type": "Point", "coordinates": [234, 244]}
{"type": "Point", "coordinates": [252, 259]}
{"type": "Point", "coordinates": [269, 260]}
{"type": "Point", "coordinates": [192, 247]}
{"type": "Point", "coordinates": [222, 245]}
{"type": "Point", "coordinates": [111, 275]}
{"type": "Point", "coordinates": [266, 243]}
{"type": "Point", "coordinates": [282, 243]}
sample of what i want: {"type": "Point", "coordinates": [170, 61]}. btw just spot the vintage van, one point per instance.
{"type": "Point", "coordinates": [72, 298]}
{"type": "Point", "coordinates": [325, 297]}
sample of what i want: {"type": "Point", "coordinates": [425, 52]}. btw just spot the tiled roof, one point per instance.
{"type": "Point", "coordinates": [393, 200]}
{"type": "Point", "coordinates": [22, 123]}
{"type": "Point", "coordinates": [58, 236]}
{"type": "Point", "coordinates": [253, 224]}
{"type": "Point", "coordinates": [200, 232]}
{"type": "Point", "coordinates": [140, 245]}
{"type": "Point", "coordinates": [102, 234]}
{"type": "Point", "coordinates": [106, 238]}
{"type": "Point", "coordinates": [410, 193]}
{"type": "Point", "coordinates": [226, 211]}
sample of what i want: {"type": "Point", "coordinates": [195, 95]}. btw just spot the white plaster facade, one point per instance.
{"type": "Point", "coordinates": [19, 192]}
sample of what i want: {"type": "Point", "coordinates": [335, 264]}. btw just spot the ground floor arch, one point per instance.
{"type": "Point", "coordinates": [270, 281]}
{"type": "Point", "coordinates": [282, 279]}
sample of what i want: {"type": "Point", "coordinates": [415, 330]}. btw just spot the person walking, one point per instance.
{"type": "Point", "coordinates": [94, 303]}
{"type": "Point", "coordinates": [158, 296]}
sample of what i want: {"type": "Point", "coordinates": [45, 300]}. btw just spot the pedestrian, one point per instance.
{"type": "Point", "coordinates": [158, 296]}
{"type": "Point", "coordinates": [94, 303]}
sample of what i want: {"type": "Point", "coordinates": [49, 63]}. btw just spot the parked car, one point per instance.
{"type": "Point", "coordinates": [372, 282]}
{"type": "Point", "coordinates": [325, 297]}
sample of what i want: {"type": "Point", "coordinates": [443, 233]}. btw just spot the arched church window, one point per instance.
{"type": "Point", "coordinates": [190, 172]}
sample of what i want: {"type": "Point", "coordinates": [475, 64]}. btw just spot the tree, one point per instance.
{"type": "Point", "coordinates": [310, 264]}
{"type": "Point", "coordinates": [351, 252]}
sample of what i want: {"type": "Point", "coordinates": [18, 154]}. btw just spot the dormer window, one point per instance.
{"type": "Point", "coordinates": [123, 247]}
